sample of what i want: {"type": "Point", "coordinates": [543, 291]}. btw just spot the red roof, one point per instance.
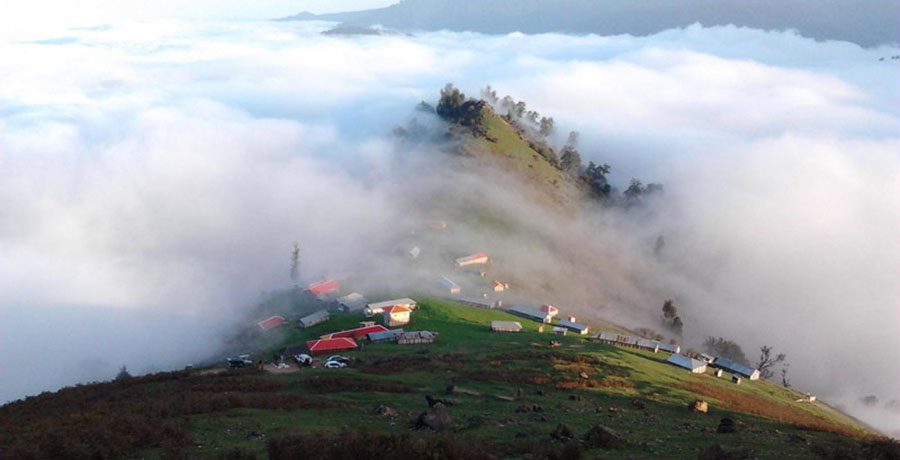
{"type": "Point", "coordinates": [358, 332]}
{"type": "Point", "coordinates": [548, 308]}
{"type": "Point", "coordinates": [324, 287]}
{"type": "Point", "coordinates": [270, 322]}
{"type": "Point", "coordinates": [330, 345]}
{"type": "Point", "coordinates": [396, 309]}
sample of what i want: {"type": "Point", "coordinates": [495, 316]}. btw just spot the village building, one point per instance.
{"type": "Point", "coordinates": [270, 323]}
{"type": "Point", "coordinates": [413, 252]}
{"type": "Point", "coordinates": [499, 286]}
{"type": "Point", "coordinates": [736, 368]}
{"type": "Point", "coordinates": [550, 310]}
{"type": "Point", "coordinates": [377, 308]}
{"type": "Point", "coordinates": [560, 330]}
{"type": "Point", "coordinates": [479, 303]}
{"type": "Point", "coordinates": [323, 288]}
{"type": "Point", "coordinates": [436, 224]}
{"type": "Point", "coordinates": [356, 333]}
{"type": "Point", "coordinates": [708, 358]}
{"type": "Point", "coordinates": [669, 347]}
{"type": "Point", "coordinates": [691, 364]}
{"type": "Point", "coordinates": [647, 344]}
{"type": "Point", "coordinates": [474, 259]}
{"type": "Point", "coordinates": [416, 337]}
{"type": "Point", "coordinates": [352, 302]}
{"type": "Point", "coordinates": [385, 336]}
{"type": "Point", "coordinates": [448, 285]}
{"type": "Point", "coordinates": [312, 319]}
{"type": "Point", "coordinates": [530, 313]}
{"type": "Point", "coordinates": [397, 315]}
{"type": "Point", "coordinates": [326, 346]}
{"type": "Point", "coordinates": [506, 326]}
{"type": "Point", "coordinates": [623, 340]}
{"type": "Point", "coordinates": [577, 328]}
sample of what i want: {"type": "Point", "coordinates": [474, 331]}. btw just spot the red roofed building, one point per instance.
{"type": "Point", "coordinates": [477, 258]}
{"type": "Point", "coordinates": [357, 333]}
{"type": "Point", "coordinates": [324, 287]}
{"type": "Point", "coordinates": [270, 323]}
{"type": "Point", "coordinates": [550, 310]}
{"type": "Point", "coordinates": [323, 346]}
{"type": "Point", "coordinates": [397, 315]}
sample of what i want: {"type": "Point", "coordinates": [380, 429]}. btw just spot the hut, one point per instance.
{"type": "Point", "coordinates": [577, 328]}
{"type": "Point", "coordinates": [529, 313]}
{"type": "Point", "coordinates": [669, 347]}
{"type": "Point", "coordinates": [398, 315]}
{"type": "Point", "coordinates": [416, 337]}
{"type": "Point", "coordinates": [352, 302]}
{"type": "Point", "coordinates": [736, 368]}
{"type": "Point", "coordinates": [499, 286]}
{"type": "Point", "coordinates": [377, 308]}
{"type": "Point", "coordinates": [448, 285]}
{"type": "Point", "coordinates": [691, 364]}
{"type": "Point", "coordinates": [506, 326]}
{"type": "Point", "coordinates": [560, 330]}
{"type": "Point", "coordinates": [323, 346]}
{"type": "Point", "coordinates": [270, 323]}
{"type": "Point", "coordinates": [385, 336]}
{"type": "Point", "coordinates": [312, 319]}
{"type": "Point", "coordinates": [474, 259]}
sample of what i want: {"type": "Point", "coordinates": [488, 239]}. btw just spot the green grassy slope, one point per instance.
{"type": "Point", "coordinates": [208, 413]}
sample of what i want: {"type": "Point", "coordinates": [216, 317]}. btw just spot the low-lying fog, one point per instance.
{"type": "Point", "coordinates": [155, 175]}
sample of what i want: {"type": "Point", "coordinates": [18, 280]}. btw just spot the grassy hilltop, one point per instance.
{"type": "Point", "coordinates": [516, 390]}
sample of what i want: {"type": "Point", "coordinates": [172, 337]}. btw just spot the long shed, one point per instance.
{"type": "Point", "coordinates": [694, 365]}
{"type": "Point", "coordinates": [312, 319]}
{"type": "Point", "coordinates": [506, 326]}
{"type": "Point", "coordinates": [529, 313]}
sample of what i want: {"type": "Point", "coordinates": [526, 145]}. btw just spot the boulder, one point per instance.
{"type": "Point", "coordinates": [699, 405]}
{"type": "Point", "coordinates": [385, 411]}
{"type": "Point", "coordinates": [602, 436]}
{"type": "Point", "coordinates": [562, 432]}
{"type": "Point", "coordinates": [727, 425]}
{"type": "Point", "coordinates": [436, 418]}
{"type": "Point", "coordinates": [638, 403]}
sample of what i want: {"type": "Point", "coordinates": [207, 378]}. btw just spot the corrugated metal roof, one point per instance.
{"type": "Point", "coordinates": [356, 332]}
{"type": "Point", "coordinates": [315, 317]}
{"type": "Point", "coordinates": [685, 362]}
{"type": "Point", "coordinates": [578, 327]}
{"type": "Point", "coordinates": [385, 335]}
{"type": "Point", "coordinates": [270, 322]}
{"type": "Point", "coordinates": [447, 283]}
{"type": "Point", "coordinates": [671, 348]}
{"type": "Point", "coordinates": [390, 303]}
{"type": "Point", "coordinates": [530, 313]}
{"type": "Point", "coordinates": [324, 345]}
{"type": "Point", "coordinates": [506, 325]}
{"type": "Point", "coordinates": [734, 367]}
{"type": "Point", "coordinates": [324, 287]}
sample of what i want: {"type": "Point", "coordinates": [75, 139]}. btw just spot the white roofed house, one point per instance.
{"type": "Point", "coordinates": [377, 308]}
{"type": "Point", "coordinates": [397, 315]}
{"type": "Point", "coordinates": [506, 326]}
{"type": "Point", "coordinates": [352, 302]}
{"type": "Point", "coordinates": [529, 313]}
{"type": "Point", "coordinates": [694, 365]}
{"type": "Point", "coordinates": [449, 285]}
{"type": "Point", "coordinates": [312, 319]}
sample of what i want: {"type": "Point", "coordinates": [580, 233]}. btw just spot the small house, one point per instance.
{"type": "Point", "coordinates": [479, 303]}
{"type": "Point", "coordinates": [416, 337]}
{"type": "Point", "coordinates": [506, 326]}
{"type": "Point", "coordinates": [694, 365]}
{"type": "Point", "coordinates": [560, 330]}
{"type": "Point", "coordinates": [736, 368]}
{"type": "Point", "coordinates": [499, 286]}
{"type": "Point", "coordinates": [397, 315]}
{"type": "Point", "coordinates": [414, 252]}
{"type": "Point", "coordinates": [577, 328]}
{"type": "Point", "coordinates": [356, 333]}
{"type": "Point", "coordinates": [647, 344]}
{"type": "Point", "coordinates": [708, 358]}
{"type": "Point", "coordinates": [669, 347]}
{"type": "Point", "coordinates": [718, 373]}
{"type": "Point", "coordinates": [377, 308]}
{"type": "Point", "coordinates": [323, 288]}
{"type": "Point", "coordinates": [474, 259]}
{"type": "Point", "coordinates": [315, 318]}
{"type": "Point", "coordinates": [385, 336]}
{"type": "Point", "coordinates": [448, 285]}
{"type": "Point", "coordinates": [324, 346]}
{"type": "Point", "coordinates": [550, 310]}
{"type": "Point", "coordinates": [270, 323]}
{"type": "Point", "coordinates": [736, 379]}
{"type": "Point", "coordinates": [529, 313]}
{"type": "Point", "coordinates": [352, 302]}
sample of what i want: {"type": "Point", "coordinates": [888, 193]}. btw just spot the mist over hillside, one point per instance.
{"type": "Point", "coordinates": [169, 168]}
{"type": "Point", "coordinates": [867, 23]}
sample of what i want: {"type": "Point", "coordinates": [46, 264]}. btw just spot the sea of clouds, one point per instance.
{"type": "Point", "coordinates": [154, 175]}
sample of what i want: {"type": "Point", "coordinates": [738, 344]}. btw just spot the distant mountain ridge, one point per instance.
{"type": "Point", "coordinates": [866, 23]}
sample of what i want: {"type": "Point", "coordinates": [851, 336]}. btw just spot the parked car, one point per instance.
{"type": "Point", "coordinates": [240, 361]}
{"type": "Point", "coordinates": [303, 359]}
{"type": "Point", "coordinates": [334, 365]}
{"type": "Point", "coordinates": [338, 358]}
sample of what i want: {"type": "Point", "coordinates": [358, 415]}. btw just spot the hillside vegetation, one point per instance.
{"type": "Point", "coordinates": [512, 391]}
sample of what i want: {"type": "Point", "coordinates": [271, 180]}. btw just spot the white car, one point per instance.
{"type": "Point", "coordinates": [334, 365]}
{"type": "Point", "coordinates": [303, 360]}
{"type": "Point", "coordinates": [339, 358]}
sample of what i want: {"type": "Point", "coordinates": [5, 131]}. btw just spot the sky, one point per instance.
{"type": "Point", "coordinates": [161, 169]}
